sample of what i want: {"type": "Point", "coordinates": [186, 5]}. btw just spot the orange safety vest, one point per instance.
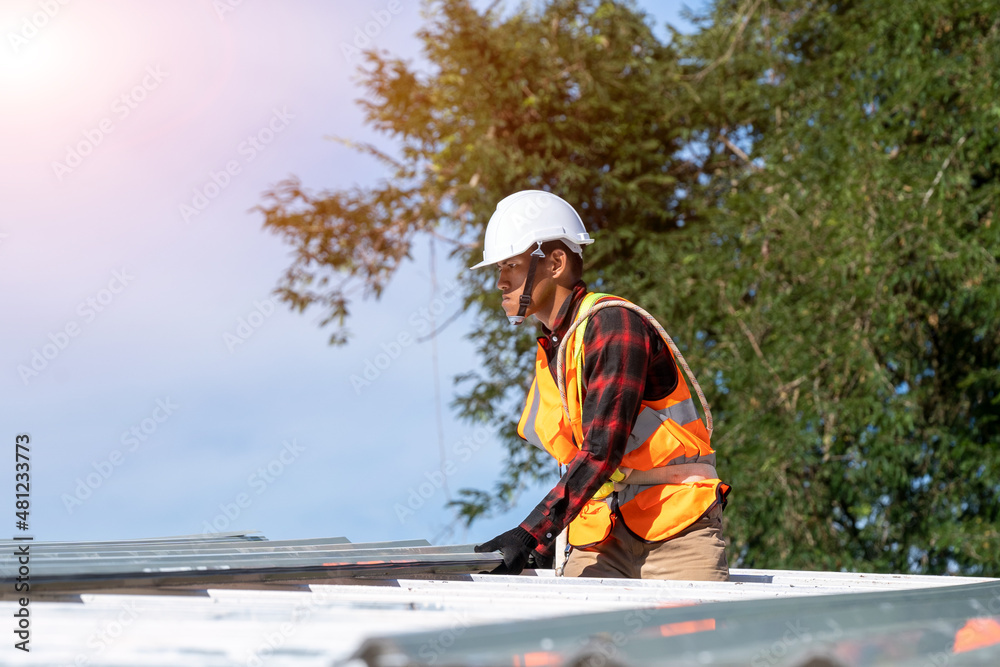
{"type": "Point", "coordinates": [666, 432]}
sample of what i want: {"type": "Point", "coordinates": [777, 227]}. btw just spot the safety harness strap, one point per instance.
{"type": "Point", "coordinates": [529, 283]}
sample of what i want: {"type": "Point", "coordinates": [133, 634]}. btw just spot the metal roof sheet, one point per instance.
{"type": "Point", "coordinates": [62, 570]}
{"type": "Point", "coordinates": [319, 616]}
{"type": "Point", "coordinates": [873, 628]}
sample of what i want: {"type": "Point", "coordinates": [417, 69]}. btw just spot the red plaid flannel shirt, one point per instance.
{"type": "Point", "coordinates": [625, 361]}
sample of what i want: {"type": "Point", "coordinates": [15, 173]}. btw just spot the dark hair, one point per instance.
{"type": "Point", "coordinates": [574, 260]}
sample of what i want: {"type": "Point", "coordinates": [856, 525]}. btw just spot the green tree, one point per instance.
{"type": "Point", "coordinates": [803, 192]}
{"type": "Point", "coordinates": [856, 323]}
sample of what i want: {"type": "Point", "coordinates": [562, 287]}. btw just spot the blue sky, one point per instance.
{"type": "Point", "coordinates": [164, 393]}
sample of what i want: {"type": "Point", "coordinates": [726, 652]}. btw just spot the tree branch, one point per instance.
{"type": "Point", "coordinates": [732, 45]}
{"type": "Point", "coordinates": [944, 165]}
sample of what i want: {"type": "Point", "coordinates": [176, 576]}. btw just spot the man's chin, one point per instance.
{"type": "Point", "coordinates": [512, 312]}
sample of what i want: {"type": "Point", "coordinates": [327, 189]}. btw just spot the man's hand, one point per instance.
{"type": "Point", "coordinates": [515, 546]}
{"type": "Point", "coordinates": [541, 561]}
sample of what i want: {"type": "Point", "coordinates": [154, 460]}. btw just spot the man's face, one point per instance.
{"type": "Point", "coordinates": [512, 274]}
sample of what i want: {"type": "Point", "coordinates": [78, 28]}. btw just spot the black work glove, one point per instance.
{"type": "Point", "coordinates": [543, 557]}
{"type": "Point", "coordinates": [515, 546]}
{"type": "Point", "coordinates": [541, 561]}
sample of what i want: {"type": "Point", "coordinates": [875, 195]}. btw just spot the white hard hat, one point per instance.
{"type": "Point", "coordinates": [528, 217]}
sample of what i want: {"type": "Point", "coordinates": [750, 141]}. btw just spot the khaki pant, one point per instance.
{"type": "Point", "coordinates": [696, 554]}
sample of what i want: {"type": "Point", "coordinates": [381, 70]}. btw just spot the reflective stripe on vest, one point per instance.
{"type": "Point", "coordinates": [529, 434]}
{"type": "Point", "coordinates": [649, 420]}
{"type": "Point", "coordinates": [539, 423]}
{"type": "Point", "coordinates": [666, 432]}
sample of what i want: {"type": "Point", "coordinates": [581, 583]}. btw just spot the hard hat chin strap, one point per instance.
{"type": "Point", "coordinates": [529, 283]}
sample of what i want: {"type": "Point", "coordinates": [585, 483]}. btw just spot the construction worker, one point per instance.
{"type": "Point", "coordinates": [640, 494]}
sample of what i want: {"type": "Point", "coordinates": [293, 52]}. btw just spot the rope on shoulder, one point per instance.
{"type": "Point", "coordinates": [621, 303]}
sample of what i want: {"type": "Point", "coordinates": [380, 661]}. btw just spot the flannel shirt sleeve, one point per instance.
{"type": "Point", "coordinates": [546, 549]}
{"type": "Point", "coordinates": [617, 352]}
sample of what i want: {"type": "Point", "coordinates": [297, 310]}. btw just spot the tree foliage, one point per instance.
{"type": "Point", "coordinates": [803, 192]}
{"type": "Point", "coordinates": [856, 325]}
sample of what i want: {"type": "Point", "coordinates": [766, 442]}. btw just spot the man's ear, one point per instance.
{"type": "Point", "coordinates": [560, 263]}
